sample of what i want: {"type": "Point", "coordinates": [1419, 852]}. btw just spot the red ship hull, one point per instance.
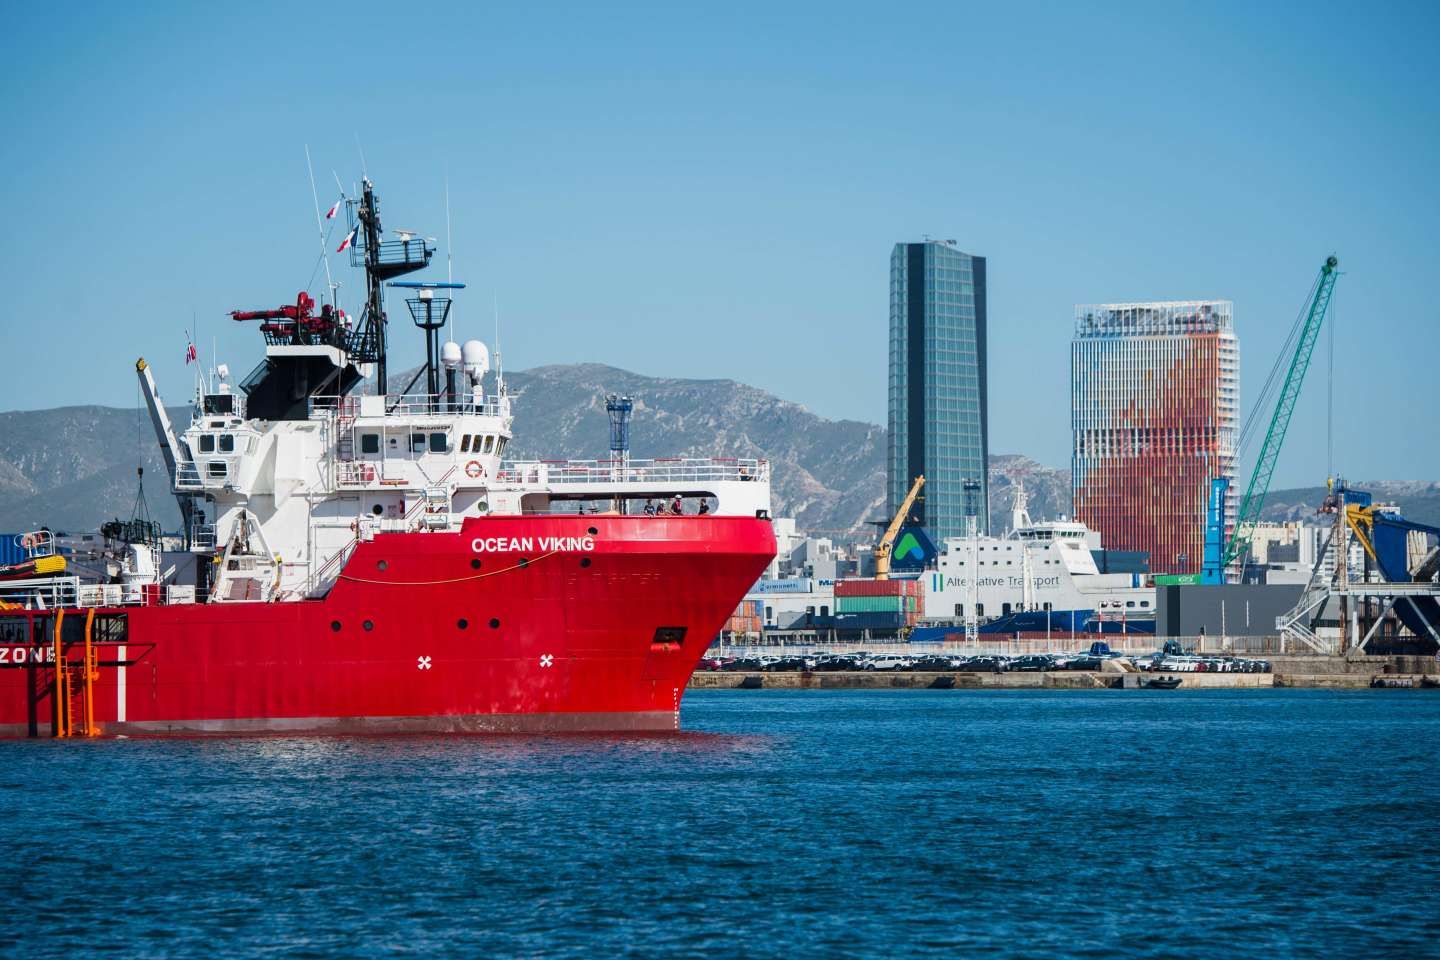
{"type": "Point", "coordinates": [567, 623]}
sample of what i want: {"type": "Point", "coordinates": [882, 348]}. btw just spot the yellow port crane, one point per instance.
{"type": "Point", "coordinates": [887, 540]}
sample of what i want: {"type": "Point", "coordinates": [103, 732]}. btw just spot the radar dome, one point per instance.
{"type": "Point", "coordinates": [450, 354]}
{"type": "Point", "coordinates": [476, 358]}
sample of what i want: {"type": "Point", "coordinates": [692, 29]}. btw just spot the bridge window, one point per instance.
{"type": "Point", "coordinates": [979, 609]}
{"type": "Point", "coordinates": [489, 443]}
{"type": "Point", "coordinates": [207, 443]}
{"type": "Point", "coordinates": [417, 442]}
{"type": "Point", "coordinates": [215, 469]}
{"type": "Point", "coordinates": [465, 443]}
{"type": "Point", "coordinates": [500, 445]}
{"type": "Point", "coordinates": [227, 443]}
{"type": "Point", "coordinates": [959, 609]}
{"type": "Point", "coordinates": [369, 443]}
{"type": "Point", "coordinates": [438, 443]}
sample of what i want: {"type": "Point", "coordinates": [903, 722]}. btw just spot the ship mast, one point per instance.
{"type": "Point", "coordinates": [372, 325]}
{"type": "Point", "coordinates": [382, 261]}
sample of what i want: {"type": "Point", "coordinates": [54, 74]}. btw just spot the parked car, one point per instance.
{"type": "Point", "coordinates": [889, 661]}
{"type": "Point", "coordinates": [789, 662]}
{"type": "Point", "coordinates": [982, 664]}
{"type": "Point", "coordinates": [934, 663]}
{"type": "Point", "coordinates": [1032, 663]}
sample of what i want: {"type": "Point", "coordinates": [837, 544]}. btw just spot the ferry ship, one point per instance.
{"type": "Point", "coordinates": [360, 560]}
{"type": "Point", "coordinates": [1041, 577]}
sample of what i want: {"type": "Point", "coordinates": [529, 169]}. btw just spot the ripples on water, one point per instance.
{"type": "Point", "coordinates": [1254, 824]}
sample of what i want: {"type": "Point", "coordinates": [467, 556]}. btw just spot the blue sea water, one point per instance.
{"type": "Point", "coordinates": [812, 823]}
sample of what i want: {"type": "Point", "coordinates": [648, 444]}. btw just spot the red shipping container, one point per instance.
{"type": "Point", "coordinates": [877, 588]}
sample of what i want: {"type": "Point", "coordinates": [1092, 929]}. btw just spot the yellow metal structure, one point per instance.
{"type": "Point", "coordinates": [1362, 524]}
{"type": "Point", "coordinates": [887, 540]}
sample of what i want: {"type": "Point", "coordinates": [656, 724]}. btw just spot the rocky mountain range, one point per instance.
{"type": "Point", "coordinates": [74, 467]}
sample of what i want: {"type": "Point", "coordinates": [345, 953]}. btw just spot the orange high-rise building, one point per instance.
{"type": "Point", "coordinates": [1155, 394]}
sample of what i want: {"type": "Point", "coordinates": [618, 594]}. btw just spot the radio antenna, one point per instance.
{"type": "Point", "coordinates": [364, 170]}
{"type": "Point", "coordinates": [449, 246]}
{"type": "Point", "coordinates": [499, 366]}
{"type": "Point", "coordinates": [320, 226]}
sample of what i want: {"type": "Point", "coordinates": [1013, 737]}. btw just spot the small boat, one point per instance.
{"type": "Point", "coordinates": [1162, 683]}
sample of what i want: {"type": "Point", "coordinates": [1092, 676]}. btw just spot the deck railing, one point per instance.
{"type": "Point", "coordinates": [404, 405]}
{"type": "Point", "coordinates": [661, 470]}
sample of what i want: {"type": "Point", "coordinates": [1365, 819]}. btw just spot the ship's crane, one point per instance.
{"type": "Point", "coordinates": [1238, 546]}
{"type": "Point", "coordinates": [887, 539]}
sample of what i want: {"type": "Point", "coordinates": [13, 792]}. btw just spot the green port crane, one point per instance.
{"type": "Point", "coordinates": [1238, 545]}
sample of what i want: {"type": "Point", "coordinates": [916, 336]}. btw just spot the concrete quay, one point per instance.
{"type": "Point", "coordinates": [1308, 672]}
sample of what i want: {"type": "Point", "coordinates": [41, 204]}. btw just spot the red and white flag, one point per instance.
{"type": "Point", "coordinates": [330, 214]}
{"type": "Point", "coordinates": [190, 356]}
{"type": "Point", "coordinates": [349, 239]}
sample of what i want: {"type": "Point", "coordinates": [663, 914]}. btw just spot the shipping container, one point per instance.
{"type": "Point", "coordinates": [870, 621]}
{"type": "Point", "coordinates": [10, 550]}
{"type": "Point", "coordinates": [876, 604]}
{"type": "Point", "coordinates": [877, 588]}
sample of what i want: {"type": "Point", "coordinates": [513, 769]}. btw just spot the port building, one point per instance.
{"type": "Point", "coordinates": [1155, 394]}
{"type": "Point", "coordinates": [938, 423]}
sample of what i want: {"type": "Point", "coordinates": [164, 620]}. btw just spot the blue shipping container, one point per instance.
{"type": "Point", "coordinates": [10, 549]}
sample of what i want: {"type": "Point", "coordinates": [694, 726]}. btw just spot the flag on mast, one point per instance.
{"type": "Point", "coordinates": [190, 356]}
{"type": "Point", "coordinates": [349, 239]}
{"type": "Point", "coordinates": [330, 214]}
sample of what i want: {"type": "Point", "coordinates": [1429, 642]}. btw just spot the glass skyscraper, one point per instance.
{"type": "Point", "coordinates": [937, 385]}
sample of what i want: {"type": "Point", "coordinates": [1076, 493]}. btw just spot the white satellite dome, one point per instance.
{"type": "Point", "coordinates": [450, 354]}
{"type": "Point", "coordinates": [476, 358]}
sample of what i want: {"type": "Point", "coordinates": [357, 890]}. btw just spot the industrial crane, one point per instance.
{"type": "Point", "coordinates": [1238, 546]}
{"type": "Point", "coordinates": [887, 539]}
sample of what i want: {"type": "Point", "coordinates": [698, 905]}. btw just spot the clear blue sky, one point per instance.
{"type": "Point", "coordinates": [713, 191]}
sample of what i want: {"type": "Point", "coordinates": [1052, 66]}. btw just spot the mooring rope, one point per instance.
{"type": "Point", "coordinates": [426, 583]}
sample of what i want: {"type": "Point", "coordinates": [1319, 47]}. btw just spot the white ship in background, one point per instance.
{"type": "Point", "coordinates": [1040, 577]}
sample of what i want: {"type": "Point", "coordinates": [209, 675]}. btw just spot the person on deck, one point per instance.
{"type": "Point", "coordinates": [677, 507]}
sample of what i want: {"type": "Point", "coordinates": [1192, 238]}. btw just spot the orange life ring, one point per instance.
{"type": "Point", "coordinates": [473, 470]}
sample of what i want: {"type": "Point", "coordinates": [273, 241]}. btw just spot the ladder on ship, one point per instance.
{"type": "Point", "coordinates": [73, 683]}
{"type": "Point", "coordinates": [437, 508]}
{"type": "Point", "coordinates": [345, 413]}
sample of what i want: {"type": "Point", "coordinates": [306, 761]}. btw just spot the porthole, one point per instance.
{"type": "Point", "coordinates": [382, 565]}
{"type": "Point", "coordinates": [494, 623]}
{"type": "Point", "coordinates": [524, 562]}
{"type": "Point", "coordinates": [584, 561]}
{"type": "Point", "coordinates": [335, 625]}
{"type": "Point", "coordinates": [462, 623]}
{"type": "Point", "coordinates": [377, 509]}
{"type": "Point", "coordinates": [368, 625]}
{"type": "Point", "coordinates": [475, 564]}
{"type": "Point", "coordinates": [593, 531]}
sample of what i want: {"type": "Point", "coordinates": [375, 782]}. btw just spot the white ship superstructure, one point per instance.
{"type": "Point", "coordinates": [1038, 568]}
